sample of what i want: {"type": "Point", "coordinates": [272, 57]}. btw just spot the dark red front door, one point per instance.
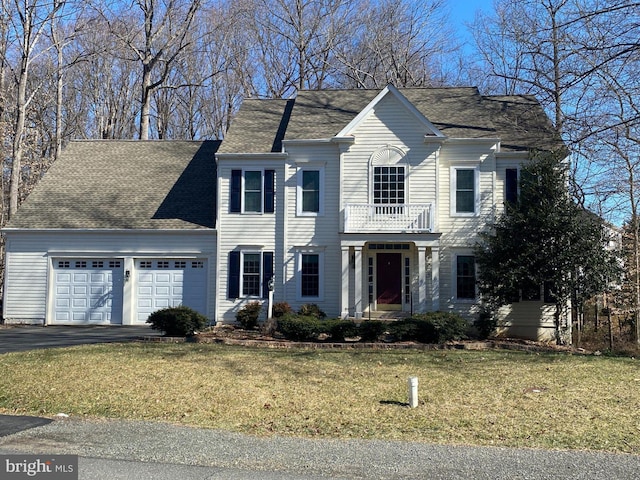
{"type": "Point", "coordinates": [389, 279]}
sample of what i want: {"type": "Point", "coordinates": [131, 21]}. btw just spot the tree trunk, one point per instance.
{"type": "Point", "coordinates": [21, 108]}
{"type": "Point", "coordinates": [145, 109]}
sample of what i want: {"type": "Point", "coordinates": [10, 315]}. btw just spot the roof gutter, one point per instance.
{"type": "Point", "coordinates": [203, 231]}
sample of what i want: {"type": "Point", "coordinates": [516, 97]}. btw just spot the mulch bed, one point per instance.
{"type": "Point", "coordinates": [229, 335]}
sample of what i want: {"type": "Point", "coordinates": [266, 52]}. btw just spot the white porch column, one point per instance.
{"type": "Point", "coordinates": [359, 302]}
{"type": "Point", "coordinates": [435, 278]}
{"type": "Point", "coordinates": [422, 278]}
{"type": "Point", "coordinates": [344, 292]}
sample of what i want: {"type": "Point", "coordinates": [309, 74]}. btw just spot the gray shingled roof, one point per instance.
{"type": "Point", "coordinates": [459, 112]}
{"type": "Point", "coordinates": [125, 184]}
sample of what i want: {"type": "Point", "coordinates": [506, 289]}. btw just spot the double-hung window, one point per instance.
{"type": "Point", "coordinates": [464, 191]}
{"type": "Point", "coordinates": [310, 275]}
{"type": "Point", "coordinates": [465, 277]}
{"type": "Point", "coordinates": [252, 191]}
{"type": "Point", "coordinates": [310, 191]}
{"type": "Point", "coordinates": [511, 186]}
{"type": "Point", "coordinates": [249, 273]}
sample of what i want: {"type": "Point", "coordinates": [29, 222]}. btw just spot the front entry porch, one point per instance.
{"type": "Point", "coordinates": [400, 276]}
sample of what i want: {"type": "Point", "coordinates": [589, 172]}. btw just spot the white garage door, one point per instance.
{"type": "Point", "coordinates": [87, 291]}
{"type": "Point", "coordinates": [162, 283]}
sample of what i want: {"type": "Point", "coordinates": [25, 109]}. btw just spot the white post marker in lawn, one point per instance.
{"type": "Point", "coordinates": [413, 392]}
{"type": "Point", "coordinates": [270, 300]}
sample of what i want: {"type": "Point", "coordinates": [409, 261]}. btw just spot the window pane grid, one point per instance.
{"type": "Point", "coordinates": [251, 274]}
{"type": "Point", "coordinates": [388, 185]}
{"type": "Point", "coordinates": [465, 191]}
{"type": "Point", "coordinates": [466, 277]}
{"type": "Point", "coordinates": [253, 191]}
{"type": "Point", "coordinates": [310, 275]}
{"type": "Point", "coordinates": [310, 191]}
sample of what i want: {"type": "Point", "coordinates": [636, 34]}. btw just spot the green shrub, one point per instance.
{"type": "Point", "coordinates": [248, 315]}
{"type": "Point", "coordinates": [432, 327]}
{"type": "Point", "coordinates": [405, 330]}
{"type": "Point", "coordinates": [281, 308]}
{"type": "Point", "coordinates": [485, 324]}
{"type": "Point", "coordinates": [301, 328]}
{"type": "Point", "coordinates": [177, 321]}
{"type": "Point", "coordinates": [340, 329]}
{"type": "Point", "coordinates": [311, 310]}
{"type": "Point", "coordinates": [371, 330]}
{"type": "Point", "coordinates": [447, 326]}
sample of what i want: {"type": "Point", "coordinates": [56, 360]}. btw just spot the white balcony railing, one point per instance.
{"type": "Point", "coordinates": [388, 218]}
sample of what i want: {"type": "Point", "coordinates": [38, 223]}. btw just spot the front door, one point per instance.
{"type": "Point", "coordinates": [389, 281]}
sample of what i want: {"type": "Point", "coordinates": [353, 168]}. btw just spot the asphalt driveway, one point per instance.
{"type": "Point", "coordinates": [29, 337]}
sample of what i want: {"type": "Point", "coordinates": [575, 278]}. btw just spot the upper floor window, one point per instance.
{"type": "Point", "coordinates": [511, 186]}
{"type": "Point", "coordinates": [464, 191]}
{"type": "Point", "coordinates": [389, 185]}
{"type": "Point", "coordinates": [252, 191]}
{"type": "Point", "coordinates": [310, 191]}
{"type": "Point", "coordinates": [389, 171]}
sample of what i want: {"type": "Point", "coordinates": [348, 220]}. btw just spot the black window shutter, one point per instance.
{"type": "Point", "coordinates": [236, 182]}
{"type": "Point", "coordinates": [269, 190]}
{"type": "Point", "coordinates": [267, 272]}
{"type": "Point", "coordinates": [233, 288]}
{"type": "Point", "coordinates": [511, 186]}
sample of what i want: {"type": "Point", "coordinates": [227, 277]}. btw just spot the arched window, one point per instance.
{"type": "Point", "coordinates": [388, 176]}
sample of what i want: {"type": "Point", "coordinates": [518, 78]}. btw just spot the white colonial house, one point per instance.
{"type": "Point", "coordinates": [359, 201]}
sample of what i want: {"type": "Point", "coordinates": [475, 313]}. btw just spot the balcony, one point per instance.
{"type": "Point", "coordinates": [400, 218]}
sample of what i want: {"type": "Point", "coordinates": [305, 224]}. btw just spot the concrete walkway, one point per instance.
{"type": "Point", "coordinates": [115, 449]}
{"type": "Point", "coordinates": [29, 337]}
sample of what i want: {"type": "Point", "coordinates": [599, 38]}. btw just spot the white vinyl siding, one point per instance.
{"type": "Point", "coordinates": [248, 232]}
{"type": "Point", "coordinates": [30, 278]}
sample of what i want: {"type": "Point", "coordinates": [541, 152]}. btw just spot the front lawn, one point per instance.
{"type": "Point", "coordinates": [466, 397]}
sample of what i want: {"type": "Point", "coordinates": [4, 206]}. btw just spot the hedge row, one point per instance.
{"type": "Point", "coordinates": [433, 327]}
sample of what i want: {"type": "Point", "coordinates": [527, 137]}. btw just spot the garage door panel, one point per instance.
{"type": "Point", "coordinates": [145, 303]}
{"type": "Point", "coordinates": [145, 277]}
{"type": "Point", "coordinates": [162, 278]}
{"type": "Point", "coordinates": [162, 303]}
{"type": "Point", "coordinates": [63, 302]}
{"type": "Point", "coordinates": [88, 291]}
{"type": "Point", "coordinates": [162, 283]}
{"type": "Point", "coordinates": [80, 278]}
{"type": "Point", "coordinates": [63, 289]}
{"type": "Point", "coordinates": [63, 277]}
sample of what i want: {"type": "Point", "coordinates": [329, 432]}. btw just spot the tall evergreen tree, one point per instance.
{"type": "Point", "coordinates": [544, 238]}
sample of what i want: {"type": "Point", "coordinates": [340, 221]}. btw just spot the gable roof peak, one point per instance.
{"type": "Point", "coordinates": [390, 89]}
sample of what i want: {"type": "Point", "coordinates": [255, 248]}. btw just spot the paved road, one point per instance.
{"type": "Point", "coordinates": [28, 337]}
{"type": "Point", "coordinates": [115, 449]}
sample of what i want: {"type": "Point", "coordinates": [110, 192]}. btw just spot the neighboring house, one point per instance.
{"type": "Point", "coordinates": [359, 201]}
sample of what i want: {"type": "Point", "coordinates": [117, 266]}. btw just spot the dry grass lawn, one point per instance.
{"type": "Point", "coordinates": [480, 398]}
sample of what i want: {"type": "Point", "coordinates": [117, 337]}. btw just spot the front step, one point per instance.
{"type": "Point", "coordinates": [387, 316]}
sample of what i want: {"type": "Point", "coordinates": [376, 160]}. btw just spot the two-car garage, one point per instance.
{"type": "Point", "coordinates": [95, 290]}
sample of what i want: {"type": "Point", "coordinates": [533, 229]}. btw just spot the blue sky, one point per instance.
{"type": "Point", "coordinates": [463, 11]}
